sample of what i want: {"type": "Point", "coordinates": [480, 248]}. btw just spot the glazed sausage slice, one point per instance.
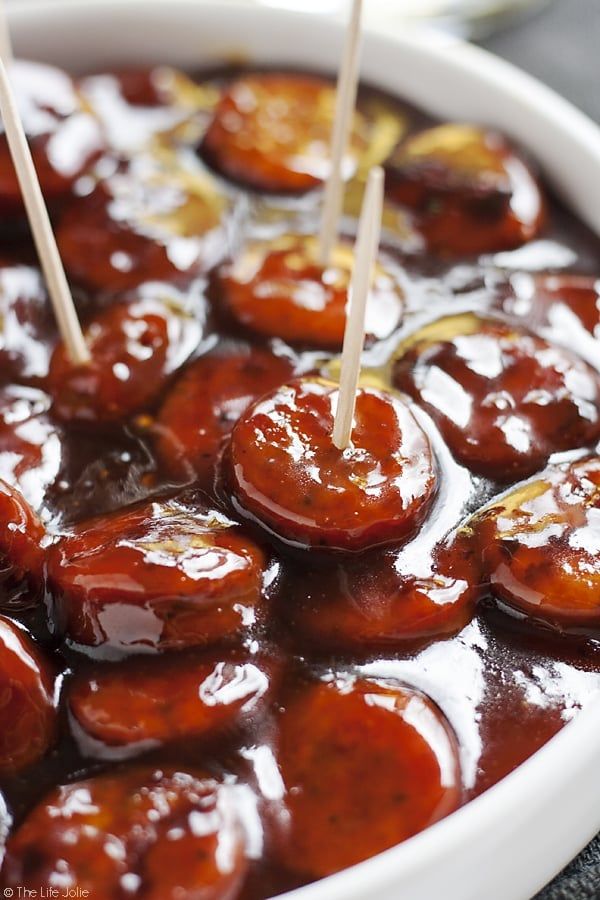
{"type": "Point", "coordinates": [473, 193]}
{"type": "Point", "coordinates": [564, 308]}
{"type": "Point", "coordinates": [163, 575]}
{"type": "Point", "coordinates": [272, 131]}
{"type": "Point", "coordinates": [28, 332]}
{"type": "Point", "coordinates": [28, 721]}
{"type": "Point", "coordinates": [504, 399]}
{"type": "Point", "coordinates": [63, 137]}
{"type": "Point", "coordinates": [141, 703]}
{"type": "Point", "coordinates": [160, 834]}
{"type": "Point", "coordinates": [31, 444]}
{"type": "Point", "coordinates": [539, 546]}
{"type": "Point", "coordinates": [280, 289]}
{"type": "Point", "coordinates": [380, 764]}
{"type": "Point", "coordinates": [578, 294]}
{"type": "Point", "coordinates": [205, 403]}
{"type": "Point", "coordinates": [21, 553]}
{"type": "Point", "coordinates": [374, 601]}
{"type": "Point", "coordinates": [150, 221]}
{"type": "Point", "coordinates": [135, 347]}
{"type": "Point", "coordinates": [286, 472]}
{"type": "Point", "coordinates": [139, 107]}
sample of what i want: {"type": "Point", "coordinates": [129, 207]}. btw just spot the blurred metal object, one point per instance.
{"type": "Point", "coordinates": [466, 18]}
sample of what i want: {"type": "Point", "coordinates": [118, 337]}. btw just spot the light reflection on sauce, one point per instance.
{"type": "Point", "coordinates": [31, 445]}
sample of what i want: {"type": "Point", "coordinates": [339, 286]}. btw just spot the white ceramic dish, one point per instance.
{"type": "Point", "coordinates": [508, 843]}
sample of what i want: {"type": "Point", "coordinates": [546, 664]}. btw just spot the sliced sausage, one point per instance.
{"type": "Point", "coordinates": [375, 600]}
{"type": "Point", "coordinates": [539, 546]}
{"type": "Point", "coordinates": [141, 106]}
{"type": "Point", "coordinates": [151, 220]}
{"type": "Point", "coordinates": [28, 333]}
{"type": "Point", "coordinates": [563, 308]}
{"type": "Point", "coordinates": [160, 834]}
{"type": "Point", "coordinates": [168, 574]}
{"type": "Point", "coordinates": [141, 703]}
{"type": "Point", "coordinates": [287, 473]}
{"type": "Point", "coordinates": [205, 403]}
{"type": "Point", "coordinates": [21, 553]}
{"type": "Point", "coordinates": [366, 765]}
{"type": "Point", "coordinates": [31, 444]}
{"type": "Point", "coordinates": [63, 136]}
{"type": "Point", "coordinates": [577, 294]}
{"type": "Point", "coordinates": [503, 398]}
{"type": "Point", "coordinates": [272, 132]}
{"type": "Point", "coordinates": [28, 719]}
{"type": "Point", "coordinates": [135, 347]}
{"type": "Point", "coordinates": [472, 192]}
{"type": "Point", "coordinates": [280, 289]}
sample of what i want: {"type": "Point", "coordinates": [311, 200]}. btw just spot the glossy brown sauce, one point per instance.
{"type": "Point", "coordinates": [504, 685]}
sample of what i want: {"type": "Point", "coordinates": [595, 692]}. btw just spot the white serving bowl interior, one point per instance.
{"type": "Point", "coordinates": [508, 843]}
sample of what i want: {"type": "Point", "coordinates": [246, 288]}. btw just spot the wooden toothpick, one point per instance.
{"type": "Point", "coordinates": [365, 254]}
{"type": "Point", "coordinates": [6, 50]}
{"type": "Point", "coordinates": [347, 86]}
{"type": "Point", "coordinates": [50, 261]}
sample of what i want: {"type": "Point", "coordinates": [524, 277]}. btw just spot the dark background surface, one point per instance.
{"type": "Point", "coordinates": [561, 46]}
